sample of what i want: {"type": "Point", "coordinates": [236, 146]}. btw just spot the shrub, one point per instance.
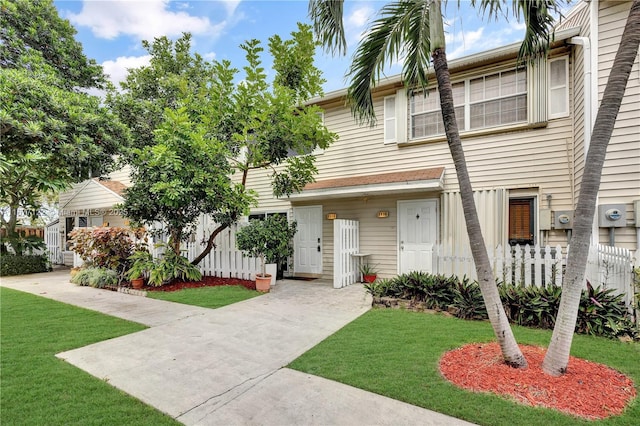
{"type": "Point", "coordinates": [95, 277]}
{"type": "Point", "coordinates": [107, 247]}
{"type": "Point", "coordinates": [468, 301]}
{"type": "Point", "coordinates": [11, 264]}
{"type": "Point", "coordinates": [172, 267]}
{"type": "Point", "coordinates": [601, 312]}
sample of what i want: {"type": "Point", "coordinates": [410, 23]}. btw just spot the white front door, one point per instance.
{"type": "Point", "coordinates": [418, 225]}
{"type": "Point", "coordinates": [307, 249]}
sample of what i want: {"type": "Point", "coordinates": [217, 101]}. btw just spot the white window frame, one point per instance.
{"type": "Point", "coordinates": [564, 87]}
{"type": "Point", "coordinates": [467, 104]}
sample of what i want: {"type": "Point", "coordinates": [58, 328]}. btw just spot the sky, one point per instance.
{"type": "Point", "coordinates": [111, 31]}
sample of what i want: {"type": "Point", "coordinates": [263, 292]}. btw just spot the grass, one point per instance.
{"type": "Point", "coordinates": [395, 353]}
{"type": "Point", "coordinates": [206, 297]}
{"type": "Point", "coordinates": [38, 388]}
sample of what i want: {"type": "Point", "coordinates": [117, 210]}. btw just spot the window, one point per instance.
{"type": "Point", "coordinates": [498, 99]}
{"type": "Point", "coordinates": [521, 221]}
{"type": "Point", "coordinates": [82, 222]}
{"type": "Point", "coordinates": [390, 119]}
{"type": "Point", "coordinates": [559, 87]}
{"type": "Point", "coordinates": [426, 117]}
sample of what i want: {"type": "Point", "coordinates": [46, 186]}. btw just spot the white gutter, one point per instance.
{"type": "Point", "coordinates": [369, 190]}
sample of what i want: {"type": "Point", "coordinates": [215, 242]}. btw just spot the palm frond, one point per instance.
{"type": "Point", "coordinates": [402, 29]}
{"type": "Point", "coordinates": [539, 17]}
{"type": "Point", "coordinates": [326, 16]}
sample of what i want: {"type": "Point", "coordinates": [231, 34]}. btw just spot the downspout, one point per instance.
{"type": "Point", "coordinates": [590, 107]}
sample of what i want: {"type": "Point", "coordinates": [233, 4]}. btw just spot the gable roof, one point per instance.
{"type": "Point", "coordinates": [114, 186]}
{"type": "Point", "coordinates": [378, 184]}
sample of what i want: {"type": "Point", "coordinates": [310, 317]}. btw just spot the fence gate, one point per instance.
{"type": "Point", "coordinates": [52, 241]}
{"type": "Point", "coordinates": [346, 243]}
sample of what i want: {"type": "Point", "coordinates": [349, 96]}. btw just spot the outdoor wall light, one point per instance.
{"type": "Point", "coordinates": [332, 216]}
{"type": "Point", "coordinates": [383, 214]}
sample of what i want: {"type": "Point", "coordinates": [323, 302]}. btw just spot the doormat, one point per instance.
{"type": "Point", "coordinates": [300, 278]}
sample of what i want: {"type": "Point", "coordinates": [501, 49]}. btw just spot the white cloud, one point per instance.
{"type": "Point", "coordinates": [231, 5]}
{"type": "Point", "coordinates": [117, 70]}
{"type": "Point", "coordinates": [142, 19]}
{"type": "Point", "coordinates": [355, 24]}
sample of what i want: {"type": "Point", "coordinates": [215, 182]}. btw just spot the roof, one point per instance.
{"type": "Point", "coordinates": [378, 184]}
{"type": "Point", "coordinates": [112, 185]}
{"type": "Point", "coordinates": [459, 64]}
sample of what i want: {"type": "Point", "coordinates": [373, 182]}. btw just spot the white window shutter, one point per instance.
{"type": "Point", "coordinates": [537, 82]}
{"type": "Point", "coordinates": [390, 120]}
{"type": "Point", "coordinates": [559, 87]}
{"type": "Point", "coordinates": [402, 122]}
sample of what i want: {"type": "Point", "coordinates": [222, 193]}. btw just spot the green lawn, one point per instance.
{"type": "Point", "coordinates": [395, 353]}
{"type": "Point", "coordinates": [39, 389]}
{"type": "Point", "coordinates": [206, 297]}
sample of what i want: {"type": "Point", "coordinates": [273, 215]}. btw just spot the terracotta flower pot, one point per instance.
{"type": "Point", "coordinates": [263, 283]}
{"type": "Point", "coordinates": [369, 278]}
{"type": "Point", "coordinates": [137, 283]}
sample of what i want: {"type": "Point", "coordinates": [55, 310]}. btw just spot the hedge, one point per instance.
{"type": "Point", "coordinates": [11, 264]}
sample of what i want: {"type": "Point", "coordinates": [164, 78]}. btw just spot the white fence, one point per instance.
{"type": "Point", "coordinates": [52, 241]}
{"type": "Point", "coordinates": [608, 267]}
{"type": "Point", "coordinates": [346, 245]}
{"type": "Point", "coordinates": [224, 260]}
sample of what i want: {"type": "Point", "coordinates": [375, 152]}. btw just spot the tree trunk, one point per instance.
{"type": "Point", "coordinates": [557, 358]}
{"type": "Point", "coordinates": [510, 351]}
{"type": "Point", "coordinates": [210, 244]}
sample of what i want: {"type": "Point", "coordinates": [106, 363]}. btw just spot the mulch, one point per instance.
{"type": "Point", "coordinates": [587, 390]}
{"type": "Point", "coordinates": [207, 281]}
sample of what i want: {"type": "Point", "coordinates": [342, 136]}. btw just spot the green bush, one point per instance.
{"type": "Point", "coordinates": [11, 264]}
{"type": "Point", "coordinates": [601, 312]}
{"type": "Point", "coordinates": [171, 267]}
{"type": "Point", "coordinates": [95, 277]}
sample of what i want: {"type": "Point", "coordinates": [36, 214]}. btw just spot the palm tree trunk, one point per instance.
{"type": "Point", "coordinates": [510, 351]}
{"type": "Point", "coordinates": [557, 358]}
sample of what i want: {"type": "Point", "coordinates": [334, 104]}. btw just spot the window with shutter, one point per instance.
{"type": "Point", "coordinates": [521, 221]}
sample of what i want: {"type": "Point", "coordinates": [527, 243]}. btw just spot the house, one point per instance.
{"type": "Point", "coordinates": [525, 134]}
{"type": "Point", "coordinates": [93, 202]}
{"type": "Point", "coordinates": [525, 131]}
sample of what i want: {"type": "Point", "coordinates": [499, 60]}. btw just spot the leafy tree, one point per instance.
{"type": "Point", "coordinates": [34, 25]}
{"type": "Point", "coordinates": [247, 125]}
{"type": "Point", "coordinates": [51, 133]}
{"type": "Point", "coordinates": [415, 28]}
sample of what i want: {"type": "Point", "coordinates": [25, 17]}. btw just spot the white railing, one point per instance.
{"type": "Point", "coordinates": [608, 267]}
{"type": "Point", "coordinates": [346, 244]}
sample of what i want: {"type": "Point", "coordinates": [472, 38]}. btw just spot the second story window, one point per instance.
{"type": "Point", "coordinates": [490, 100]}
{"type": "Point", "coordinates": [498, 99]}
{"type": "Point", "coordinates": [426, 117]}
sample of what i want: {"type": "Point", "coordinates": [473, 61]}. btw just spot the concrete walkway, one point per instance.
{"type": "Point", "coordinates": [226, 366]}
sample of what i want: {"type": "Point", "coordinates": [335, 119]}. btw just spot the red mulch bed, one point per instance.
{"type": "Point", "coordinates": [588, 390]}
{"type": "Point", "coordinates": [206, 281]}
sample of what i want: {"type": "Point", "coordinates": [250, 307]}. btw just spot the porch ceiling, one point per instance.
{"type": "Point", "coordinates": [431, 179]}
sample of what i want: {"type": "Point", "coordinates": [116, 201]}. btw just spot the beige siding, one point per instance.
{"type": "Point", "coordinates": [377, 236]}
{"type": "Point", "coordinates": [87, 196]}
{"type": "Point", "coordinates": [621, 173]}
{"type": "Point", "coordinates": [122, 175]}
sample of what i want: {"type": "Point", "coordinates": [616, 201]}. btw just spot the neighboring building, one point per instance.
{"type": "Point", "coordinates": [90, 203]}
{"type": "Point", "coordinates": [523, 131]}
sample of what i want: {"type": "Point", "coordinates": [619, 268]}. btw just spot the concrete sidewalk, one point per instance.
{"type": "Point", "coordinates": [226, 366]}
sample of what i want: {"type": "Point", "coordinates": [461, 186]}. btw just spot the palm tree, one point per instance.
{"type": "Point", "coordinates": [414, 29]}
{"type": "Point", "coordinates": [557, 356]}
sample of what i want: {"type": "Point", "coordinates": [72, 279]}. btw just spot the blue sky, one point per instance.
{"type": "Point", "coordinates": [111, 31]}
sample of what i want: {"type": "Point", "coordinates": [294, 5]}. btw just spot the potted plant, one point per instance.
{"type": "Point", "coordinates": [268, 240]}
{"type": "Point", "coordinates": [369, 273]}
{"type": "Point", "coordinates": [280, 245]}
{"type": "Point", "coordinates": [141, 264]}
